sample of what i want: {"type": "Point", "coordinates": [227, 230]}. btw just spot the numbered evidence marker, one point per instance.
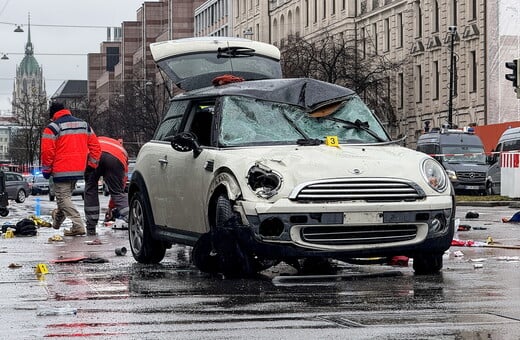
{"type": "Point", "coordinates": [41, 268]}
{"type": "Point", "coordinates": [332, 141]}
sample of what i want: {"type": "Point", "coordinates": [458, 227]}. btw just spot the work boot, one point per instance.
{"type": "Point", "coordinates": [91, 232]}
{"type": "Point", "coordinates": [57, 218]}
{"type": "Point", "coordinates": [74, 232]}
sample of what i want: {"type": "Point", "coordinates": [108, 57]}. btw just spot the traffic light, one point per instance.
{"type": "Point", "coordinates": [515, 75]}
{"type": "Point", "coordinates": [513, 65]}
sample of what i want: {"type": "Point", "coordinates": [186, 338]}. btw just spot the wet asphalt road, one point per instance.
{"type": "Point", "coordinates": [476, 296]}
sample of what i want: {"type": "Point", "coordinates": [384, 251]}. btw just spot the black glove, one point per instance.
{"type": "Point", "coordinates": [89, 170]}
{"type": "Point", "coordinates": [46, 175]}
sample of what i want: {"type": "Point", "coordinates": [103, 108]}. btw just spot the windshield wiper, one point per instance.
{"type": "Point", "coordinates": [358, 125]}
{"type": "Point", "coordinates": [234, 52]}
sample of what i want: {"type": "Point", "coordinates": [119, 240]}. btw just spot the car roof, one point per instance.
{"type": "Point", "coordinates": [307, 93]}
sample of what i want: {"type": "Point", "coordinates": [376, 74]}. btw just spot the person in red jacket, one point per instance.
{"type": "Point", "coordinates": [68, 145]}
{"type": "Point", "coordinates": [113, 166]}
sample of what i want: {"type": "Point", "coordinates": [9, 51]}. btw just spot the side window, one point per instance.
{"type": "Point", "coordinates": [201, 122]}
{"type": "Point", "coordinates": [171, 121]}
{"type": "Point", "coordinates": [9, 177]}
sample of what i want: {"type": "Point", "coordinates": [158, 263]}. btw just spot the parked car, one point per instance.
{"type": "Point", "coordinates": [39, 186]}
{"type": "Point", "coordinates": [261, 170]}
{"type": "Point", "coordinates": [79, 189]}
{"type": "Point", "coordinates": [16, 186]}
{"type": "Point", "coordinates": [461, 154]}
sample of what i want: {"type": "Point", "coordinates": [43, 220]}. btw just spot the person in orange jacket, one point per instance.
{"type": "Point", "coordinates": [68, 145]}
{"type": "Point", "coordinates": [113, 166]}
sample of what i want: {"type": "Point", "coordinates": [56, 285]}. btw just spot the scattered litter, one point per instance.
{"type": "Point", "coordinates": [15, 265]}
{"type": "Point", "coordinates": [83, 259]}
{"type": "Point", "coordinates": [120, 251]}
{"type": "Point", "coordinates": [467, 243]}
{"type": "Point", "coordinates": [120, 224]}
{"type": "Point", "coordinates": [472, 214]}
{"type": "Point", "coordinates": [478, 260]}
{"type": "Point", "coordinates": [46, 311]}
{"type": "Point", "coordinates": [489, 240]}
{"type": "Point", "coordinates": [94, 242]}
{"type": "Point", "coordinates": [458, 253]}
{"type": "Point", "coordinates": [401, 261]}
{"type": "Point", "coordinates": [463, 227]}
{"type": "Point", "coordinates": [40, 222]}
{"type": "Point", "coordinates": [478, 265]}
{"type": "Point", "coordinates": [56, 238]}
{"type": "Point", "coordinates": [479, 228]}
{"type": "Point", "coordinates": [509, 258]}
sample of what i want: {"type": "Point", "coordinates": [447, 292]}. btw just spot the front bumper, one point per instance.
{"type": "Point", "coordinates": [353, 229]}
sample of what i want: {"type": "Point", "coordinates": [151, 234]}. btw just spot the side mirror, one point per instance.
{"type": "Point", "coordinates": [185, 142]}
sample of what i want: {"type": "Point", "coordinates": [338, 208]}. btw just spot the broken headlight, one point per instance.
{"type": "Point", "coordinates": [434, 174]}
{"type": "Point", "coordinates": [263, 181]}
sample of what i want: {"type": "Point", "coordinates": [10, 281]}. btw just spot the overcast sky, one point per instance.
{"type": "Point", "coordinates": [61, 51]}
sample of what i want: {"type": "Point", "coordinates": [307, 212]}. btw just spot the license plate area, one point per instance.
{"type": "Point", "coordinates": [362, 217]}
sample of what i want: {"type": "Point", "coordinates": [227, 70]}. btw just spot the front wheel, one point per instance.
{"type": "Point", "coordinates": [429, 263]}
{"type": "Point", "coordinates": [20, 196]}
{"type": "Point", "coordinates": [144, 248]}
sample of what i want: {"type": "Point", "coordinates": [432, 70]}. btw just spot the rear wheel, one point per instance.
{"type": "Point", "coordinates": [428, 263]}
{"type": "Point", "coordinates": [20, 196]}
{"type": "Point", "coordinates": [144, 248]}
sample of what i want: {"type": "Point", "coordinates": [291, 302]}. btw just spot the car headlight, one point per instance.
{"type": "Point", "coordinates": [452, 175]}
{"type": "Point", "coordinates": [434, 174]}
{"type": "Point", "coordinates": [263, 181]}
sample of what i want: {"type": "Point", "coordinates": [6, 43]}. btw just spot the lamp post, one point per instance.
{"type": "Point", "coordinates": [452, 30]}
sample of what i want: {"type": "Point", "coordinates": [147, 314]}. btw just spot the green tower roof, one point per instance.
{"type": "Point", "coordinates": [29, 65]}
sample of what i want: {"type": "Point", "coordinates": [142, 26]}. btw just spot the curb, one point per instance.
{"type": "Point", "coordinates": [511, 204]}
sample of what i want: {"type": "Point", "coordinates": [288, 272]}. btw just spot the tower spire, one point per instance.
{"type": "Point", "coordinates": [29, 46]}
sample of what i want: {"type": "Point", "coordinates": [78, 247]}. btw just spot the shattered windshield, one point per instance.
{"type": "Point", "coordinates": [247, 121]}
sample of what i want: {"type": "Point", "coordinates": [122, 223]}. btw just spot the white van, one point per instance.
{"type": "Point", "coordinates": [509, 141]}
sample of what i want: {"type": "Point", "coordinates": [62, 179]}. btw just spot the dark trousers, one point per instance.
{"type": "Point", "coordinates": [113, 172]}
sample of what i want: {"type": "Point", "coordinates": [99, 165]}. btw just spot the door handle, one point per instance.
{"type": "Point", "coordinates": [163, 161]}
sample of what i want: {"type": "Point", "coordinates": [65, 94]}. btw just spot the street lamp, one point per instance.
{"type": "Point", "coordinates": [4, 56]}
{"type": "Point", "coordinates": [452, 31]}
{"type": "Point", "coordinates": [18, 29]}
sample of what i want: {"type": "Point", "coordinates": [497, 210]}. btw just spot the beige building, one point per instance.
{"type": "Point", "coordinates": [417, 31]}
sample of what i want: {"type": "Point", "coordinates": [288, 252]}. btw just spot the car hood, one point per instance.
{"type": "Point", "coordinates": [310, 163]}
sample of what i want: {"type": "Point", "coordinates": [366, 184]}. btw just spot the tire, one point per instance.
{"type": "Point", "coordinates": [4, 212]}
{"type": "Point", "coordinates": [144, 248]}
{"type": "Point", "coordinates": [428, 263]}
{"type": "Point", "coordinates": [51, 197]}
{"type": "Point", "coordinates": [20, 196]}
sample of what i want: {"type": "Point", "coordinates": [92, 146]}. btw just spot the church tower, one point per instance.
{"type": "Point", "coordinates": [29, 87]}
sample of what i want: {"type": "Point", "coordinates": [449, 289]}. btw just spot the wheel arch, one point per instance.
{"type": "Point", "coordinates": [224, 183]}
{"type": "Point", "coordinates": [137, 184]}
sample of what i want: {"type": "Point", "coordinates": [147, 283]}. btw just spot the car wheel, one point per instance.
{"type": "Point", "coordinates": [20, 196]}
{"type": "Point", "coordinates": [233, 260]}
{"type": "Point", "coordinates": [144, 248]}
{"type": "Point", "coordinates": [4, 212]}
{"type": "Point", "coordinates": [428, 263]}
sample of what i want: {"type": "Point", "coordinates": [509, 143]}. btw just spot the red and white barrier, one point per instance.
{"type": "Point", "coordinates": [510, 174]}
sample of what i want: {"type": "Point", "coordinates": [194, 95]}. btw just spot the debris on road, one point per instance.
{"type": "Point", "coordinates": [15, 265]}
{"type": "Point", "coordinates": [56, 238]}
{"type": "Point", "coordinates": [472, 214]}
{"type": "Point", "coordinates": [463, 227]}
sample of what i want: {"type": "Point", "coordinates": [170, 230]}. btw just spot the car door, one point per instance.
{"type": "Point", "coordinates": [10, 185]}
{"type": "Point", "coordinates": [181, 196]}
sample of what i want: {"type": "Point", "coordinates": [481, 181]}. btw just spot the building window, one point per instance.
{"type": "Point", "coordinates": [435, 80]}
{"type": "Point", "coordinates": [400, 27]}
{"type": "Point", "coordinates": [418, 84]}
{"type": "Point", "coordinates": [473, 10]}
{"type": "Point", "coordinates": [307, 8]}
{"type": "Point", "coordinates": [473, 71]}
{"type": "Point", "coordinates": [400, 87]}
{"type": "Point", "coordinates": [324, 15]}
{"type": "Point", "coordinates": [364, 40]}
{"type": "Point", "coordinates": [418, 19]}
{"type": "Point", "coordinates": [315, 11]}
{"type": "Point", "coordinates": [374, 30]}
{"type": "Point", "coordinates": [333, 9]}
{"type": "Point", "coordinates": [435, 17]}
{"type": "Point", "coordinates": [453, 9]}
{"type": "Point", "coordinates": [387, 34]}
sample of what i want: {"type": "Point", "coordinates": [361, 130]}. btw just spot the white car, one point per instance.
{"type": "Point", "coordinates": [254, 172]}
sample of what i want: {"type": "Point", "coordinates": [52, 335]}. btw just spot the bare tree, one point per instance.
{"type": "Point", "coordinates": [338, 59]}
{"type": "Point", "coordinates": [30, 115]}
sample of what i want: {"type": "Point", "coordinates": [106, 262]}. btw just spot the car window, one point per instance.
{"type": "Point", "coordinates": [248, 121]}
{"type": "Point", "coordinates": [171, 121]}
{"type": "Point", "coordinates": [9, 177]}
{"type": "Point", "coordinates": [200, 122]}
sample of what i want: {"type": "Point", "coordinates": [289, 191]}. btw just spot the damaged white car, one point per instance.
{"type": "Point", "coordinates": [251, 170]}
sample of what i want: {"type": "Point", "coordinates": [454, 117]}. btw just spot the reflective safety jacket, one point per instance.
{"type": "Point", "coordinates": [68, 145]}
{"type": "Point", "coordinates": [115, 148]}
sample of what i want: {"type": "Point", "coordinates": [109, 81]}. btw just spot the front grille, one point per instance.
{"type": "Point", "coordinates": [356, 235]}
{"type": "Point", "coordinates": [470, 176]}
{"type": "Point", "coordinates": [370, 190]}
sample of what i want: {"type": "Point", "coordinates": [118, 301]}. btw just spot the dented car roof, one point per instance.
{"type": "Point", "coordinates": [306, 93]}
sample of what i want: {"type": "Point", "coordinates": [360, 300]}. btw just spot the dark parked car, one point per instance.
{"type": "Point", "coordinates": [40, 186]}
{"type": "Point", "coordinates": [16, 186]}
